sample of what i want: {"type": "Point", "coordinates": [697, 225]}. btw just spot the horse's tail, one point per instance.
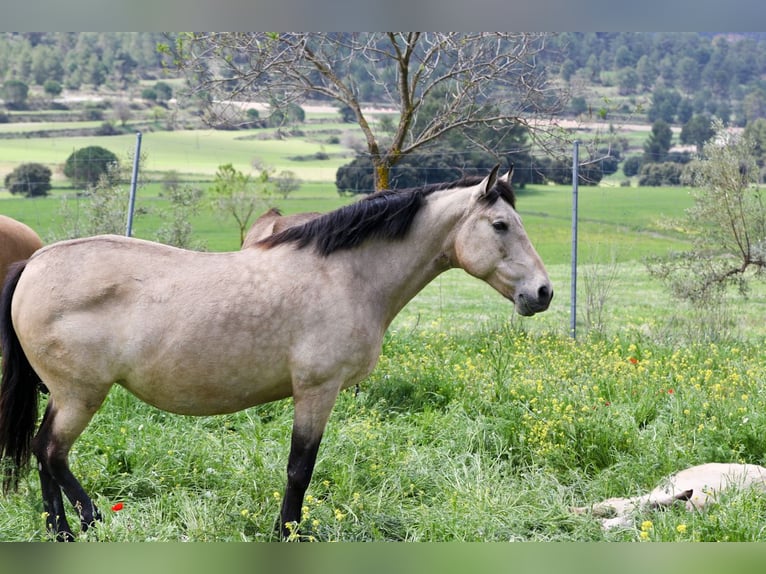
{"type": "Point", "coordinates": [18, 392]}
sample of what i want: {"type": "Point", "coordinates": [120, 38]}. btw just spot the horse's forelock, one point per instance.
{"type": "Point", "coordinates": [502, 190]}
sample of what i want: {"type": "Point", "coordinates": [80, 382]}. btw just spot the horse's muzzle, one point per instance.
{"type": "Point", "coordinates": [529, 303]}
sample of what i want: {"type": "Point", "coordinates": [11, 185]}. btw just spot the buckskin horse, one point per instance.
{"type": "Point", "coordinates": [303, 314]}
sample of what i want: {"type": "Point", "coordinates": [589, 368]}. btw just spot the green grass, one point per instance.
{"type": "Point", "coordinates": [471, 431]}
{"type": "Point", "coordinates": [192, 152]}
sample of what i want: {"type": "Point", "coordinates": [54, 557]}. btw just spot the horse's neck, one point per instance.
{"type": "Point", "coordinates": [393, 272]}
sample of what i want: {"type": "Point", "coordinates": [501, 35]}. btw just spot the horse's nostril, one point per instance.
{"type": "Point", "coordinates": [545, 293]}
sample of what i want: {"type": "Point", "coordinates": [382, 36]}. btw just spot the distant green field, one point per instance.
{"type": "Point", "coordinates": [197, 152]}
{"type": "Point", "coordinates": [624, 223]}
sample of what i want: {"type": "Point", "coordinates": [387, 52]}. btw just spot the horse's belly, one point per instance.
{"type": "Point", "coordinates": [199, 398]}
{"type": "Point", "coordinates": [220, 377]}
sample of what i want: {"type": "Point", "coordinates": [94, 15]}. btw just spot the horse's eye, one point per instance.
{"type": "Point", "coordinates": [500, 226]}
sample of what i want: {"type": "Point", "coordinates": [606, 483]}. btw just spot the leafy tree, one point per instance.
{"type": "Point", "coordinates": [727, 222]}
{"type": "Point", "coordinates": [658, 143]}
{"type": "Point", "coordinates": [578, 105]}
{"type": "Point", "coordinates": [492, 79]}
{"type": "Point", "coordinates": [164, 91]}
{"type": "Point", "coordinates": [52, 88]}
{"type": "Point", "coordinates": [688, 70]}
{"type": "Point", "coordinates": [756, 133]}
{"type": "Point", "coordinates": [85, 166]}
{"type": "Point", "coordinates": [647, 72]}
{"type": "Point", "coordinates": [632, 165]}
{"type": "Point", "coordinates": [184, 200]}
{"type": "Point", "coordinates": [664, 105]}
{"type": "Point", "coordinates": [754, 105]}
{"type": "Point", "coordinates": [102, 210]}
{"type": "Point", "coordinates": [697, 131]}
{"type": "Point", "coordinates": [624, 57]}
{"type": "Point", "coordinates": [238, 195]}
{"type": "Point", "coordinates": [15, 93]}
{"type": "Point", "coordinates": [627, 81]}
{"type": "Point", "coordinates": [29, 179]}
{"type": "Point", "coordinates": [292, 113]}
{"type": "Point", "coordinates": [347, 114]}
{"type": "Point", "coordinates": [657, 174]}
{"type": "Point", "coordinates": [149, 94]}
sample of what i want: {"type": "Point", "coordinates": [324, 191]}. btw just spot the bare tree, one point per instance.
{"type": "Point", "coordinates": [286, 182]}
{"type": "Point", "coordinates": [483, 79]}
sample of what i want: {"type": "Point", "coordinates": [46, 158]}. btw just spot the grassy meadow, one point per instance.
{"type": "Point", "coordinates": [477, 425]}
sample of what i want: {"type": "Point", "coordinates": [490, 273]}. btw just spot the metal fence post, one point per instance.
{"type": "Point", "coordinates": [133, 184]}
{"type": "Point", "coordinates": [573, 297]}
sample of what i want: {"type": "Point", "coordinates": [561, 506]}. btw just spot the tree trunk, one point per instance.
{"type": "Point", "coordinates": [382, 171]}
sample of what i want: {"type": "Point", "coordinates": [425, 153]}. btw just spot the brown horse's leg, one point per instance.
{"type": "Point", "coordinates": [51, 446]}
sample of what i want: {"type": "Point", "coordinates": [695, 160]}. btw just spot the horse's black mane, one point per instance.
{"type": "Point", "coordinates": [386, 214]}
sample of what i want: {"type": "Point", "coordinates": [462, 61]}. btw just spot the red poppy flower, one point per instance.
{"type": "Point", "coordinates": [633, 360]}
{"type": "Point", "coordinates": [670, 391]}
{"type": "Point", "coordinates": [117, 507]}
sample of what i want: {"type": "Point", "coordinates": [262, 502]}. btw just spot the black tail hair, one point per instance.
{"type": "Point", "coordinates": [18, 391]}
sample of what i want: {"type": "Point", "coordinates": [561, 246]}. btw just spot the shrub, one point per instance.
{"type": "Point", "coordinates": [107, 129]}
{"type": "Point", "coordinates": [632, 165]}
{"type": "Point", "coordinates": [86, 165]}
{"type": "Point", "coordinates": [91, 113]}
{"type": "Point", "coordinates": [657, 174]}
{"type": "Point", "coordinates": [29, 179]}
{"type": "Point", "coordinates": [149, 94]}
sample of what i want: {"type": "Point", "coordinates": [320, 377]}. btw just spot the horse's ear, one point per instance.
{"type": "Point", "coordinates": [488, 182]}
{"type": "Point", "coordinates": [508, 175]}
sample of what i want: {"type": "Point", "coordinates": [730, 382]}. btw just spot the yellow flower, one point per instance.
{"type": "Point", "coordinates": [644, 535]}
{"type": "Point", "coordinates": [646, 525]}
{"type": "Point", "coordinates": [681, 528]}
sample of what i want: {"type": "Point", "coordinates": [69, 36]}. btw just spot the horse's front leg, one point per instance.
{"type": "Point", "coordinates": [312, 409]}
{"type": "Point", "coordinates": [300, 466]}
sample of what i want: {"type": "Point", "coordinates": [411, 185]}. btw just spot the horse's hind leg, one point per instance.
{"type": "Point", "coordinates": [53, 502]}
{"type": "Point", "coordinates": [58, 431]}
